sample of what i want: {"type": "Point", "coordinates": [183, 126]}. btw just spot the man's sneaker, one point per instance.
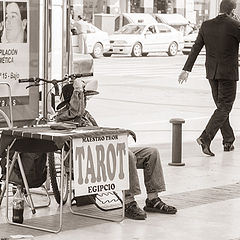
{"type": "Point", "coordinates": [157, 205]}
{"type": "Point", "coordinates": [133, 211]}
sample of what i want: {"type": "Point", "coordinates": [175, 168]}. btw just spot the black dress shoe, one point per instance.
{"type": "Point", "coordinates": [227, 147]}
{"type": "Point", "coordinates": [205, 147]}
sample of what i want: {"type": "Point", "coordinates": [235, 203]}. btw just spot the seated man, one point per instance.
{"type": "Point", "coordinates": [146, 158]}
{"type": "Point", "coordinates": [73, 108]}
{"type": "Point", "coordinates": [151, 29]}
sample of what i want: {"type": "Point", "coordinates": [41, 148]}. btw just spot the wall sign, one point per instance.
{"type": "Point", "coordinates": [19, 56]}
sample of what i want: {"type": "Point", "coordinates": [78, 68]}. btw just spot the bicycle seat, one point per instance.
{"type": "Point", "coordinates": [91, 93]}
{"type": "Point", "coordinates": [91, 87]}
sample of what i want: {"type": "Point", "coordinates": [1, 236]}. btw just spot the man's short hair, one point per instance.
{"type": "Point", "coordinates": [226, 6]}
{"type": "Point", "coordinates": [22, 8]}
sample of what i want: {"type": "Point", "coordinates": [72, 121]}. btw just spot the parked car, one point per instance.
{"type": "Point", "coordinates": [175, 20]}
{"type": "Point", "coordinates": [189, 40]}
{"type": "Point", "coordinates": [141, 39]}
{"type": "Point", "coordinates": [97, 41]}
{"type": "Point", "coordinates": [135, 18]}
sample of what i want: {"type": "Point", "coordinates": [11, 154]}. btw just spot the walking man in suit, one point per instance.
{"type": "Point", "coordinates": [221, 37]}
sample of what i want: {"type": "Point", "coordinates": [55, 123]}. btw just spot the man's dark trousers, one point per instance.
{"type": "Point", "coordinates": [224, 94]}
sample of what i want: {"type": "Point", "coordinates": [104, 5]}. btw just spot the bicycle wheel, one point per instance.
{"type": "Point", "coordinates": [54, 164]}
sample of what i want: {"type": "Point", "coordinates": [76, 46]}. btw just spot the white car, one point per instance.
{"type": "Point", "coordinates": [175, 20]}
{"type": "Point", "coordinates": [97, 41]}
{"type": "Point", "coordinates": [189, 40]}
{"type": "Point", "coordinates": [141, 39]}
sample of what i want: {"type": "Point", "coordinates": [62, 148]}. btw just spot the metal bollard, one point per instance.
{"type": "Point", "coordinates": [177, 142]}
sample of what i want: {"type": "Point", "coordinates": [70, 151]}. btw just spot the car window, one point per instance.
{"type": "Point", "coordinates": [131, 29]}
{"type": "Point", "coordinates": [163, 29]}
{"type": "Point", "coordinates": [125, 21]}
{"type": "Point", "coordinates": [152, 29]}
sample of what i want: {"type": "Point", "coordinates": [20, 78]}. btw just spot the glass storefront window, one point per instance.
{"type": "Point", "coordinates": [91, 7]}
{"type": "Point", "coordinates": [196, 11]}
{"type": "Point", "coordinates": [201, 8]}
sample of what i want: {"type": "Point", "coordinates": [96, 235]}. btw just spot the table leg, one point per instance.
{"type": "Point", "coordinates": [10, 172]}
{"type": "Point", "coordinates": [25, 182]}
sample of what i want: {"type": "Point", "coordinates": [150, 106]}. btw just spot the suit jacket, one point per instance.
{"type": "Point", "coordinates": [221, 37]}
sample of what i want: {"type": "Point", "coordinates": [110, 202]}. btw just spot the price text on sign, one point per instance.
{"type": "Point", "coordinates": [100, 164]}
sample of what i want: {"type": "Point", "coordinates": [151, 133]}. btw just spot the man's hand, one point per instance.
{"type": "Point", "coordinates": [183, 76]}
{"type": "Point", "coordinates": [78, 84]}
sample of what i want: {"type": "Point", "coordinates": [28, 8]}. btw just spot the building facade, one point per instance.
{"type": "Point", "coordinates": [195, 11]}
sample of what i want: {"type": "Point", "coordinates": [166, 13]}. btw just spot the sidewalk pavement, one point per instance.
{"type": "Point", "coordinates": [206, 192]}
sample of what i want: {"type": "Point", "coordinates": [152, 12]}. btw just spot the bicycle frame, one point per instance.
{"type": "Point", "coordinates": [6, 118]}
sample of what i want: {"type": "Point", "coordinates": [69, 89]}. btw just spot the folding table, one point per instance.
{"type": "Point", "coordinates": [45, 139]}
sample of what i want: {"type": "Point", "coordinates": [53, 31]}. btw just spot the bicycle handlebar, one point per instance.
{"type": "Point", "coordinates": [79, 75]}
{"type": "Point", "coordinates": [36, 80]}
{"type": "Point", "coordinates": [24, 80]}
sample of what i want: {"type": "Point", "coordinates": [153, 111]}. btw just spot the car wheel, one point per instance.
{"type": "Point", "coordinates": [107, 54]}
{"type": "Point", "coordinates": [144, 54]}
{"type": "Point", "coordinates": [137, 50]}
{"type": "Point", "coordinates": [172, 49]}
{"type": "Point", "coordinates": [97, 50]}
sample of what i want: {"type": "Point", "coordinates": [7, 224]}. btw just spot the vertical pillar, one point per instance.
{"type": "Point", "coordinates": [177, 142]}
{"type": "Point", "coordinates": [46, 59]}
{"type": "Point", "coordinates": [56, 38]}
{"type": "Point", "coordinates": [213, 8]}
{"type": "Point", "coordinates": [147, 5]}
{"type": "Point", "coordinates": [238, 9]}
{"type": "Point", "coordinates": [180, 7]}
{"type": "Point", "coordinates": [113, 6]}
{"type": "Point", "coordinates": [190, 14]}
{"type": "Point", "coordinates": [77, 8]}
{"type": "Point", "coordinates": [124, 6]}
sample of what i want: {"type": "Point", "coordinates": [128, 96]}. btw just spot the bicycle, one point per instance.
{"type": "Point", "coordinates": [53, 158]}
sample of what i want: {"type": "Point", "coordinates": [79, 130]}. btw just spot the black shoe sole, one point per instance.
{"type": "Point", "coordinates": [136, 217]}
{"type": "Point", "coordinates": [157, 210]}
{"type": "Point", "coordinates": [228, 149]}
{"type": "Point", "coordinates": [205, 148]}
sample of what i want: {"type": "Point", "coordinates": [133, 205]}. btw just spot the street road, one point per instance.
{"type": "Point", "coordinates": [143, 94]}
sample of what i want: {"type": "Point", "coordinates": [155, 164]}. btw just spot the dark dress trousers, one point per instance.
{"type": "Point", "coordinates": [221, 37]}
